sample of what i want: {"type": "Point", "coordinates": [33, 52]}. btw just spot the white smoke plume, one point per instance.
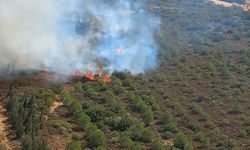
{"type": "Point", "coordinates": [69, 35]}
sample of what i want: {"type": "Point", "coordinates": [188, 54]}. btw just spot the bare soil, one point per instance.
{"type": "Point", "coordinates": [7, 135]}
{"type": "Point", "coordinates": [246, 6]}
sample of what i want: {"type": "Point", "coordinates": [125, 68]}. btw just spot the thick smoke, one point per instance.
{"type": "Point", "coordinates": [69, 35]}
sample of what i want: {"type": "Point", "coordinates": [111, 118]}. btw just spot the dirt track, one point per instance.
{"type": "Point", "coordinates": [57, 103]}
{"type": "Point", "coordinates": [3, 128]}
{"type": "Point", "coordinates": [7, 136]}
{"type": "Point", "coordinates": [246, 7]}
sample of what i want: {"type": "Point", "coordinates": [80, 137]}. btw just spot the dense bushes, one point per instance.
{"type": "Point", "coordinates": [81, 118]}
{"type": "Point", "coordinates": [98, 113]}
{"type": "Point", "coordinates": [157, 145]}
{"type": "Point", "coordinates": [140, 106]}
{"type": "Point", "coordinates": [203, 139]}
{"type": "Point", "coordinates": [181, 141]}
{"type": "Point", "coordinates": [74, 145]}
{"type": "Point", "coordinates": [236, 108]}
{"type": "Point", "coordinates": [125, 141]}
{"type": "Point", "coordinates": [119, 123]}
{"type": "Point", "coordinates": [138, 132]}
{"type": "Point", "coordinates": [136, 146]}
{"type": "Point", "coordinates": [35, 143]}
{"type": "Point", "coordinates": [196, 109]}
{"type": "Point", "coordinates": [26, 116]}
{"type": "Point", "coordinates": [166, 118]}
{"type": "Point", "coordinates": [94, 136]}
{"type": "Point", "coordinates": [78, 87]}
{"type": "Point", "coordinates": [148, 117]}
{"type": "Point", "coordinates": [171, 127]}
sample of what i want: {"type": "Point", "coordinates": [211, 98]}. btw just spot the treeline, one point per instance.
{"type": "Point", "coordinates": [26, 112]}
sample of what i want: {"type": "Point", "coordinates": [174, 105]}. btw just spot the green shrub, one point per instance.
{"type": "Point", "coordinates": [196, 109]}
{"type": "Point", "coordinates": [66, 98]}
{"type": "Point", "coordinates": [203, 139]}
{"type": "Point", "coordinates": [90, 128]}
{"type": "Point", "coordinates": [170, 103]}
{"type": "Point", "coordinates": [117, 86]}
{"type": "Point", "coordinates": [118, 108]}
{"type": "Point", "coordinates": [229, 143]}
{"type": "Point", "coordinates": [172, 127]}
{"type": "Point", "coordinates": [74, 145]}
{"type": "Point", "coordinates": [157, 145]}
{"type": "Point", "coordinates": [210, 124]}
{"type": "Point", "coordinates": [180, 140]}
{"type": "Point", "coordinates": [98, 113]}
{"type": "Point", "coordinates": [101, 148]}
{"type": "Point", "coordinates": [60, 123]}
{"type": "Point", "coordinates": [122, 124]}
{"type": "Point", "coordinates": [193, 126]}
{"type": "Point", "coordinates": [59, 87]}
{"type": "Point", "coordinates": [96, 138]}
{"type": "Point", "coordinates": [136, 130]}
{"type": "Point", "coordinates": [27, 142]}
{"type": "Point", "coordinates": [188, 146]}
{"type": "Point", "coordinates": [102, 86]}
{"type": "Point", "coordinates": [167, 135]}
{"type": "Point", "coordinates": [75, 137]}
{"type": "Point", "coordinates": [81, 118]}
{"type": "Point", "coordinates": [205, 116]}
{"type": "Point", "coordinates": [75, 106]}
{"type": "Point", "coordinates": [237, 108]}
{"type": "Point", "coordinates": [167, 118]}
{"type": "Point", "coordinates": [109, 98]}
{"type": "Point", "coordinates": [242, 133]}
{"type": "Point", "coordinates": [139, 104]}
{"type": "Point", "coordinates": [247, 121]}
{"type": "Point", "coordinates": [136, 146]}
{"type": "Point", "coordinates": [147, 135]}
{"type": "Point", "coordinates": [90, 92]}
{"type": "Point", "coordinates": [78, 87]}
{"type": "Point", "coordinates": [148, 117]}
{"type": "Point", "coordinates": [248, 131]}
{"type": "Point", "coordinates": [125, 141]}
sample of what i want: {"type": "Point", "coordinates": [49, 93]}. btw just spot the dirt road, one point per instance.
{"type": "Point", "coordinates": [57, 103]}
{"type": "Point", "coordinates": [7, 136]}
{"type": "Point", "coordinates": [246, 6]}
{"type": "Point", "coordinates": [3, 128]}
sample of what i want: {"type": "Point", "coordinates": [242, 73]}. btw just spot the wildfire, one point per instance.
{"type": "Point", "coordinates": [91, 77]}
{"type": "Point", "coordinates": [106, 79]}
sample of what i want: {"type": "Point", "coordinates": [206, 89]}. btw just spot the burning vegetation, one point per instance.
{"type": "Point", "coordinates": [92, 77]}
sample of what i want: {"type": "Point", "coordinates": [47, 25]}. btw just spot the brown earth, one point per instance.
{"type": "Point", "coordinates": [246, 6]}
{"type": "Point", "coordinates": [7, 135]}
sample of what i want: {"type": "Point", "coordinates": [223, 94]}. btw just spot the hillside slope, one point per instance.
{"type": "Point", "coordinates": [197, 97]}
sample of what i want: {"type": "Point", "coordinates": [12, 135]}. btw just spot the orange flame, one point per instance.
{"type": "Point", "coordinates": [106, 79]}
{"type": "Point", "coordinates": [89, 75]}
